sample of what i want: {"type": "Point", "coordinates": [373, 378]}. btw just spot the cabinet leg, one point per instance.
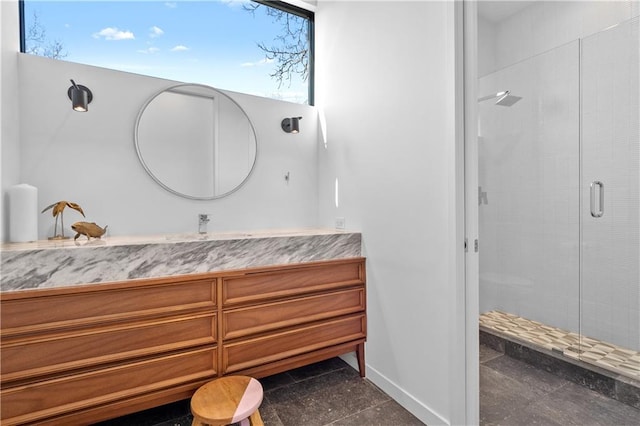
{"type": "Point", "coordinates": [360, 355]}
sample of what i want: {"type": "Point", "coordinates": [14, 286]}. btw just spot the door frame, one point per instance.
{"type": "Point", "coordinates": [471, 222]}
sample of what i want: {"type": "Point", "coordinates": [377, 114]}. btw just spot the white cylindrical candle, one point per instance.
{"type": "Point", "coordinates": [23, 213]}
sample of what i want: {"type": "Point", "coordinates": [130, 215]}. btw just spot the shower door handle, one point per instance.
{"type": "Point", "coordinates": [600, 211]}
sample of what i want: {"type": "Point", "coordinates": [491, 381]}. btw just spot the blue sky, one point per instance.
{"type": "Point", "coordinates": [209, 42]}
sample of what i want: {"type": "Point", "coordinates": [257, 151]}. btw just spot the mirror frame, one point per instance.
{"type": "Point", "coordinates": [154, 177]}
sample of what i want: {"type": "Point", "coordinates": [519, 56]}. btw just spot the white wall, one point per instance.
{"type": "Point", "coordinates": [385, 81]}
{"type": "Point", "coordinates": [9, 117]}
{"type": "Point", "coordinates": [89, 158]}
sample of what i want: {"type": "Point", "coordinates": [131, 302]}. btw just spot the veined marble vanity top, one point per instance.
{"type": "Point", "coordinates": [48, 264]}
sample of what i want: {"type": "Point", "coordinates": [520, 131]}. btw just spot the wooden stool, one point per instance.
{"type": "Point", "coordinates": [227, 400]}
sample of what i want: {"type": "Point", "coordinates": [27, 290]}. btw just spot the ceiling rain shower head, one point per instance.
{"type": "Point", "coordinates": [504, 98]}
{"type": "Point", "coordinates": [507, 99]}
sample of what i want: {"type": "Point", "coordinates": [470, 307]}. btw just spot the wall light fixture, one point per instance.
{"type": "Point", "coordinates": [291, 125]}
{"type": "Point", "coordinates": [80, 97]}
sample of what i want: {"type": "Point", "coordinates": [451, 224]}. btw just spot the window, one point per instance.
{"type": "Point", "coordinates": [262, 48]}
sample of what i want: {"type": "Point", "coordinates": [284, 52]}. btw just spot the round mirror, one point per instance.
{"type": "Point", "coordinates": [195, 141]}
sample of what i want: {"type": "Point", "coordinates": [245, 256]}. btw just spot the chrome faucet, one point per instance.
{"type": "Point", "coordinates": [203, 219]}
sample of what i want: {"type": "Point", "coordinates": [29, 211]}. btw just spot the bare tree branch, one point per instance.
{"type": "Point", "coordinates": [36, 43]}
{"type": "Point", "coordinates": [290, 49]}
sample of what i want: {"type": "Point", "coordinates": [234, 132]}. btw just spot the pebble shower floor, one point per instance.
{"type": "Point", "coordinates": [615, 358]}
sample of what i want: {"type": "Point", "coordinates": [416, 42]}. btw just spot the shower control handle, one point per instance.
{"type": "Point", "coordinates": [600, 211]}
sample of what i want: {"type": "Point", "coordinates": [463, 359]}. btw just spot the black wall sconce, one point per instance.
{"type": "Point", "coordinates": [80, 97]}
{"type": "Point", "coordinates": [291, 125]}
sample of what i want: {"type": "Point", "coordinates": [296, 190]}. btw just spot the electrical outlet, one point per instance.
{"type": "Point", "coordinates": [340, 223]}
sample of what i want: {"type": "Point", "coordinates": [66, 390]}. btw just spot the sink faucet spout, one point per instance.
{"type": "Point", "coordinates": [203, 220]}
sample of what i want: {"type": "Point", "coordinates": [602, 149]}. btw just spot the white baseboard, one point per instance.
{"type": "Point", "coordinates": [415, 407]}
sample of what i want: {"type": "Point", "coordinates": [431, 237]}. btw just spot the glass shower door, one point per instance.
{"type": "Point", "coordinates": [610, 199]}
{"type": "Point", "coordinates": [529, 198]}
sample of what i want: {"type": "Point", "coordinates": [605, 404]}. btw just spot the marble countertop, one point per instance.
{"type": "Point", "coordinates": [163, 239]}
{"type": "Point", "coordinates": [49, 264]}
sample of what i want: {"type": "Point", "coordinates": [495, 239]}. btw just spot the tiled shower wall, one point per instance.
{"type": "Point", "coordinates": [543, 26]}
{"type": "Point", "coordinates": [529, 168]}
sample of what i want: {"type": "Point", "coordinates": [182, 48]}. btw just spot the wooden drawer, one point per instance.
{"type": "Point", "coordinates": [56, 308]}
{"type": "Point", "coordinates": [269, 316]}
{"type": "Point", "coordinates": [291, 281]}
{"type": "Point", "coordinates": [26, 404]}
{"type": "Point", "coordinates": [262, 350]}
{"type": "Point", "coordinates": [24, 358]}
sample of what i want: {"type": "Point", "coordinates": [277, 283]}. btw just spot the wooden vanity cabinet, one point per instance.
{"type": "Point", "coordinates": [274, 320]}
{"type": "Point", "coordinates": [80, 354]}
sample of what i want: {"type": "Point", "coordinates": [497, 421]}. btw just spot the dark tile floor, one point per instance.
{"type": "Point", "coordinates": [515, 393]}
{"type": "Point", "coordinates": [326, 393]}
{"type": "Point", "coordinates": [331, 393]}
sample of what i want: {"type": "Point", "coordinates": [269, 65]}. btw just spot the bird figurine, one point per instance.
{"type": "Point", "coordinates": [58, 210]}
{"type": "Point", "coordinates": [90, 229]}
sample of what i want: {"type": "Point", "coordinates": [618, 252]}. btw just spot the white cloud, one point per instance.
{"type": "Point", "coordinates": [171, 4]}
{"type": "Point", "coordinates": [150, 50]}
{"type": "Point", "coordinates": [257, 63]}
{"type": "Point", "coordinates": [179, 48]}
{"type": "Point", "coordinates": [110, 33]}
{"type": "Point", "coordinates": [155, 32]}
